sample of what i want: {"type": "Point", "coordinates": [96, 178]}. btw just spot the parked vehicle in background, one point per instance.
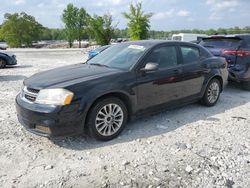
{"type": "Point", "coordinates": [188, 37]}
{"type": "Point", "coordinates": [2, 47]}
{"type": "Point", "coordinates": [94, 52]}
{"type": "Point", "coordinates": [125, 80]}
{"type": "Point", "coordinates": [236, 50]}
{"type": "Point", "coordinates": [7, 59]}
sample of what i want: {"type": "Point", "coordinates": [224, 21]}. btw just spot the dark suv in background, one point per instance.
{"type": "Point", "coordinates": [236, 50]}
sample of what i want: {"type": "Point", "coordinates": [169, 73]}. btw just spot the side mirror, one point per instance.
{"type": "Point", "coordinates": [150, 67]}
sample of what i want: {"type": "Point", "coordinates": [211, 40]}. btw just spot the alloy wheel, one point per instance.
{"type": "Point", "coordinates": [213, 92]}
{"type": "Point", "coordinates": [109, 119]}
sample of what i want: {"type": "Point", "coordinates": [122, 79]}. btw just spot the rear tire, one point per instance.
{"type": "Point", "coordinates": [246, 85]}
{"type": "Point", "coordinates": [212, 93]}
{"type": "Point", "coordinates": [2, 63]}
{"type": "Point", "coordinates": [107, 118]}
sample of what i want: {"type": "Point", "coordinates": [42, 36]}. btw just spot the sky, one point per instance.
{"type": "Point", "coordinates": [168, 14]}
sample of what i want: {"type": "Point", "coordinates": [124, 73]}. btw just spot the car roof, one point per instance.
{"type": "Point", "coordinates": [158, 42]}
{"type": "Point", "coordinates": [232, 36]}
{"type": "Point", "coordinates": [239, 35]}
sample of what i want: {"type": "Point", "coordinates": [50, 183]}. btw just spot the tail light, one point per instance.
{"type": "Point", "coordinates": [236, 52]}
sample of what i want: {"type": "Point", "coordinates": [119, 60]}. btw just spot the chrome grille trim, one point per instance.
{"type": "Point", "coordinates": [25, 92]}
{"type": "Point", "coordinates": [31, 90]}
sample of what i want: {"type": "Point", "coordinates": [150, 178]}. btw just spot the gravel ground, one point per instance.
{"type": "Point", "coordinates": [192, 146]}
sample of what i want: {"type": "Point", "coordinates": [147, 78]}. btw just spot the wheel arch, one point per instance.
{"type": "Point", "coordinates": [4, 58]}
{"type": "Point", "coordinates": [120, 95]}
{"type": "Point", "coordinates": [208, 80]}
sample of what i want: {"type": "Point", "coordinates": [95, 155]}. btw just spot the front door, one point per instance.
{"type": "Point", "coordinates": [160, 86]}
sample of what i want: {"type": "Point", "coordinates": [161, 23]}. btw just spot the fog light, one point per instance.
{"type": "Point", "coordinates": [43, 129]}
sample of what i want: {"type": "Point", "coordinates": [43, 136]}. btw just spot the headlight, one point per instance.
{"type": "Point", "coordinates": [54, 96]}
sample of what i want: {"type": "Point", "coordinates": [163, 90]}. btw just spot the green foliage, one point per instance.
{"type": "Point", "coordinates": [100, 28]}
{"type": "Point", "coordinates": [53, 34]}
{"type": "Point", "coordinates": [75, 22]}
{"type": "Point", "coordinates": [69, 18]}
{"type": "Point", "coordinates": [138, 22]}
{"type": "Point", "coordinates": [1, 37]}
{"type": "Point", "coordinates": [82, 18]}
{"type": "Point", "coordinates": [121, 33]}
{"type": "Point", "coordinates": [20, 29]}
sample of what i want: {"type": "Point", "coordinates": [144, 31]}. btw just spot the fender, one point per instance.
{"type": "Point", "coordinates": [85, 105]}
{"type": "Point", "coordinates": [211, 76]}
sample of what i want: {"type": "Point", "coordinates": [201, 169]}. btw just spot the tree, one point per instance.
{"type": "Point", "coordinates": [100, 28]}
{"type": "Point", "coordinates": [75, 23]}
{"type": "Point", "coordinates": [82, 17]}
{"type": "Point", "coordinates": [69, 18]}
{"type": "Point", "coordinates": [138, 22]}
{"type": "Point", "coordinates": [20, 29]}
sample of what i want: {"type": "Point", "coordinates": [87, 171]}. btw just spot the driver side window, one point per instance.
{"type": "Point", "coordinates": [164, 56]}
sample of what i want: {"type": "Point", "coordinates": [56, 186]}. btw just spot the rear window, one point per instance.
{"type": "Point", "coordinates": [220, 42]}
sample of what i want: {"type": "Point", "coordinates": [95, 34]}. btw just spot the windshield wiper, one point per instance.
{"type": "Point", "coordinates": [98, 64]}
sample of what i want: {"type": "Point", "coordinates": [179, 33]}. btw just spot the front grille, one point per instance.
{"type": "Point", "coordinates": [32, 90]}
{"type": "Point", "coordinates": [30, 98]}
{"type": "Point", "coordinates": [29, 94]}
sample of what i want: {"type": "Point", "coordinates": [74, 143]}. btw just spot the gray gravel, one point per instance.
{"type": "Point", "coordinates": [192, 146]}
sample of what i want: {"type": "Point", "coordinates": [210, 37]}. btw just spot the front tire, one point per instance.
{"type": "Point", "coordinates": [107, 118]}
{"type": "Point", "coordinates": [2, 63]}
{"type": "Point", "coordinates": [212, 93]}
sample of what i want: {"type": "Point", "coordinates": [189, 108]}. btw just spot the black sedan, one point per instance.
{"type": "Point", "coordinates": [7, 59]}
{"type": "Point", "coordinates": [124, 81]}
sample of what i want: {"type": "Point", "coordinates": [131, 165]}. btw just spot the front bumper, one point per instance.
{"type": "Point", "coordinates": [49, 121]}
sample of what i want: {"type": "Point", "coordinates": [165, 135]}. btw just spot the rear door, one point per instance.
{"type": "Point", "coordinates": [193, 71]}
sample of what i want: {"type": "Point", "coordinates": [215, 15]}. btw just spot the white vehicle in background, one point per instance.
{"type": "Point", "coordinates": [188, 37]}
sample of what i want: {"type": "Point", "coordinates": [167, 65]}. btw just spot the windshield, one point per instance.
{"type": "Point", "coordinates": [101, 48]}
{"type": "Point", "coordinates": [121, 56]}
{"type": "Point", "coordinates": [220, 42]}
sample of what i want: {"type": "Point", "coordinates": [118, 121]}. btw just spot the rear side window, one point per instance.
{"type": "Point", "coordinates": [190, 54]}
{"type": "Point", "coordinates": [164, 56]}
{"type": "Point", "coordinates": [220, 42]}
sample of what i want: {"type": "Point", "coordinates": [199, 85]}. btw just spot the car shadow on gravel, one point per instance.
{"type": "Point", "coordinates": [18, 66]}
{"type": "Point", "coordinates": [12, 78]}
{"type": "Point", "coordinates": [164, 122]}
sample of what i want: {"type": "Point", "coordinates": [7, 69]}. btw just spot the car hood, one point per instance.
{"type": "Point", "coordinates": [67, 75]}
{"type": "Point", "coordinates": [6, 53]}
